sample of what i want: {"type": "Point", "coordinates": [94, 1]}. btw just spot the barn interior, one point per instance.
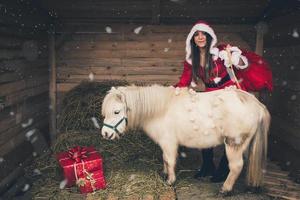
{"type": "Point", "coordinates": [49, 47]}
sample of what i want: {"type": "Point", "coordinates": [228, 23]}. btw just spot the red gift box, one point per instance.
{"type": "Point", "coordinates": [77, 161]}
{"type": "Point", "coordinates": [91, 181]}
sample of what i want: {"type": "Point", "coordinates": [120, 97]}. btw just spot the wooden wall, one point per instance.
{"type": "Point", "coordinates": [116, 52]}
{"type": "Point", "coordinates": [23, 86]}
{"type": "Point", "coordinates": [282, 51]}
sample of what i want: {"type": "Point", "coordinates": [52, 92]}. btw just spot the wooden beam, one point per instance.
{"type": "Point", "coordinates": [261, 30]}
{"type": "Point", "coordinates": [52, 85]}
{"type": "Point", "coordinates": [155, 11]}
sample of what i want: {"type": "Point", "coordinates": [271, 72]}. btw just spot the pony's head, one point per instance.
{"type": "Point", "coordinates": [114, 111]}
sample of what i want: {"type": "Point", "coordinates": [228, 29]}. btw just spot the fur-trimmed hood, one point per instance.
{"type": "Point", "coordinates": [201, 26]}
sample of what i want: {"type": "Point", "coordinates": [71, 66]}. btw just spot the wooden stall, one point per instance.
{"type": "Point", "coordinates": [48, 47]}
{"type": "Point", "coordinates": [24, 86]}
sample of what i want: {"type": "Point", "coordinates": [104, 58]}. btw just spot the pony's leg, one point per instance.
{"type": "Point", "coordinates": [169, 156]}
{"type": "Point", "coordinates": [165, 171]}
{"type": "Point", "coordinates": [235, 162]}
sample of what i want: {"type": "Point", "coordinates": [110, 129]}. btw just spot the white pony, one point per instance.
{"type": "Point", "coordinates": [173, 117]}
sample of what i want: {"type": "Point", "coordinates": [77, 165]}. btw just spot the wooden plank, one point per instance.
{"type": "Point", "coordinates": [10, 42]}
{"type": "Point", "coordinates": [65, 87]}
{"type": "Point", "coordinates": [9, 77]}
{"type": "Point", "coordinates": [122, 45]}
{"type": "Point", "coordinates": [68, 72]}
{"type": "Point", "coordinates": [14, 158]}
{"type": "Point", "coordinates": [24, 111]}
{"type": "Point", "coordinates": [21, 65]}
{"type": "Point", "coordinates": [118, 63]}
{"type": "Point", "coordinates": [10, 54]}
{"type": "Point", "coordinates": [20, 128]}
{"type": "Point", "coordinates": [149, 53]}
{"type": "Point", "coordinates": [9, 88]}
{"type": "Point", "coordinates": [96, 28]}
{"type": "Point", "coordinates": [19, 138]}
{"type": "Point", "coordinates": [14, 98]}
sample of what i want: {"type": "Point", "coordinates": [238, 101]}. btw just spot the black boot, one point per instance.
{"type": "Point", "coordinates": [222, 171]}
{"type": "Point", "coordinates": [208, 167]}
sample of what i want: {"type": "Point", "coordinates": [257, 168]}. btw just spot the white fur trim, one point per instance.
{"type": "Point", "coordinates": [199, 27]}
{"type": "Point", "coordinates": [246, 64]}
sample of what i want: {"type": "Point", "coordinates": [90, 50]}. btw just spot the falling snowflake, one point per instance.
{"type": "Point", "coordinates": [37, 172]}
{"type": "Point", "coordinates": [108, 29]}
{"type": "Point", "coordinates": [91, 76]}
{"type": "Point", "coordinates": [11, 113]}
{"type": "Point", "coordinates": [183, 154]}
{"type": "Point", "coordinates": [1, 159]}
{"type": "Point", "coordinates": [29, 134]}
{"type": "Point", "coordinates": [166, 49]}
{"type": "Point", "coordinates": [30, 121]}
{"type": "Point", "coordinates": [288, 163]}
{"type": "Point", "coordinates": [292, 67]}
{"type": "Point", "coordinates": [295, 33]}
{"type": "Point", "coordinates": [63, 184]}
{"type": "Point", "coordinates": [138, 30]}
{"type": "Point", "coordinates": [293, 97]}
{"type": "Point", "coordinates": [169, 40]}
{"type": "Point", "coordinates": [26, 187]}
{"type": "Point", "coordinates": [34, 139]}
{"type": "Point", "coordinates": [95, 122]}
{"type": "Point", "coordinates": [284, 83]}
{"type": "Point", "coordinates": [34, 154]}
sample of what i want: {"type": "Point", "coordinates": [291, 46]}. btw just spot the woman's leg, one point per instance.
{"type": "Point", "coordinates": [222, 170]}
{"type": "Point", "coordinates": [207, 167]}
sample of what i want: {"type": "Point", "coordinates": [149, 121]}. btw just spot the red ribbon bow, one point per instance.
{"type": "Point", "coordinates": [78, 153]}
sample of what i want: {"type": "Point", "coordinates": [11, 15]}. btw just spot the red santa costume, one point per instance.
{"type": "Point", "coordinates": [254, 75]}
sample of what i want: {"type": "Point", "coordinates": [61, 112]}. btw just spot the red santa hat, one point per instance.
{"type": "Point", "coordinates": [201, 26]}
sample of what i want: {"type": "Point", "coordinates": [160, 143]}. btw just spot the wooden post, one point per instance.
{"type": "Point", "coordinates": [52, 85]}
{"type": "Point", "coordinates": [261, 30]}
{"type": "Point", "coordinates": [155, 11]}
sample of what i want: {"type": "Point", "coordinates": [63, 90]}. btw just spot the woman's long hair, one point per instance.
{"type": "Point", "coordinates": [196, 58]}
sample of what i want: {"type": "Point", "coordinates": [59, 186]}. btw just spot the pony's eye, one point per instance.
{"type": "Point", "coordinates": [117, 112]}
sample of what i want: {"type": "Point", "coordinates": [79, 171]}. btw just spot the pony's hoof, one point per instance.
{"type": "Point", "coordinates": [163, 176]}
{"type": "Point", "coordinates": [225, 193]}
{"type": "Point", "coordinates": [171, 183]}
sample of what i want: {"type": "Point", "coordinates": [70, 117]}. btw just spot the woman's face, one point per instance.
{"type": "Point", "coordinates": [200, 39]}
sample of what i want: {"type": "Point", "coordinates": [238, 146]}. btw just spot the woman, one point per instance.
{"type": "Point", "coordinates": [219, 67]}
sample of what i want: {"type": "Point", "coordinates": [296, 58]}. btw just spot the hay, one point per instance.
{"type": "Point", "coordinates": [132, 165]}
{"type": "Point", "coordinates": [82, 103]}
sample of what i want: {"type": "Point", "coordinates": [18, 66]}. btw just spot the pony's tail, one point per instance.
{"type": "Point", "coordinates": [258, 152]}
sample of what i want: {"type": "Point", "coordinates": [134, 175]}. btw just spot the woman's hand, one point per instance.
{"type": "Point", "coordinates": [232, 55]}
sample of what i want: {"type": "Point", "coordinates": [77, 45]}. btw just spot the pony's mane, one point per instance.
{"type": "Point", "coordinates": [144, 101]}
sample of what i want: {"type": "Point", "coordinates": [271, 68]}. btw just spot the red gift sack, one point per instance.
{"type": "Point", "coordinates": [77, 161]}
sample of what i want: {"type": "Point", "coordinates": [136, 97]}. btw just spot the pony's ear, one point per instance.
{"type": "Point", "coordinates": [121, 96]}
